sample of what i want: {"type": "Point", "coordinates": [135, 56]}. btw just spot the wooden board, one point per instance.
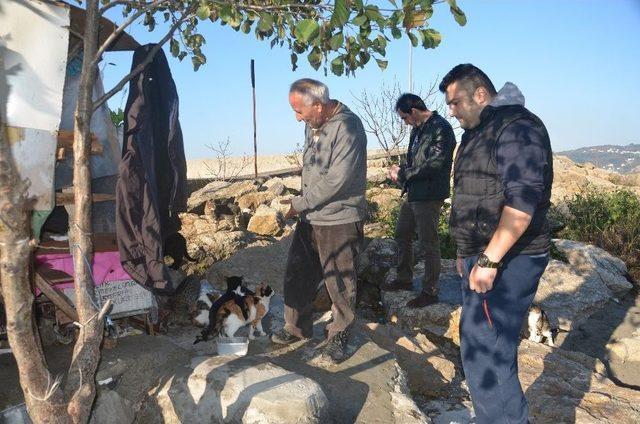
{"type": "Point", "coordinates": [68, 198]}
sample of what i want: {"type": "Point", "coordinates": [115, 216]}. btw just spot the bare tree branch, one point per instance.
{"type": "Point", "coordinates": [131, 19]}
{"type": "Point", "coordinates": [140, 67]}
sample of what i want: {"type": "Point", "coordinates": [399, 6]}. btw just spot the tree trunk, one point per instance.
{"type": "Point", "coordinates": [86, 354]}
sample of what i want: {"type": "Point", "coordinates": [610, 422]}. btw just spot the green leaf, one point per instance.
{"type": "Point", "coordinates": [337, 65]}
{"type": "Point", "coordinates": [336, 41]}
{"type": "Point", "coordinates": [373, 13]}
{"type": "Point", "coordinates": [382, 64]}
{"type": "Point", "coordinates": [396, 33]}
{"type": "Point", "coordinates": [203, 13]}
{"type": "Point", "coordinates": [307, 30]}
{"type": "Point", "coordinates": [458, 14]}
{"type": "Point", "coordinates": [413, 38]}
{"type": "Point", "coordinates": [226, 13]}
{"type": "Point", "coordinates": [265, 23]}
{"type": "Point", "coordinates": [294, 62]}
{"type": "Point", "coordinates": [414, 19]}
{"type": "Point", "coordinates": [340, 14]}
{"type": "Point", "coordinates": [246, 27]}
{"type": "Point", "coordinates": [315, 58]}
{"type": "Point", "coordinates": [174, 47]}
{"type": "Point", "coordinates": [360, 20]}
{"type": "Point", "coordinates": [430, 38]}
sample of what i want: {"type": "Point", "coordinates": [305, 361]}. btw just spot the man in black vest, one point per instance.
{"type": "Point", "coordinates": [503, 173]}
{"type": "Point", "coordinates": [425, 177]}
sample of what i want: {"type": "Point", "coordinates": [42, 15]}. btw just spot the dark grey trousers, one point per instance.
{"type": "Point", "coordinates": [317, 254]}
{"type": "Point", "coordinates": [420, 217]}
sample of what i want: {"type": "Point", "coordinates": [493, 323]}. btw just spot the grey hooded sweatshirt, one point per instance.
{"type": "Point", "coordinates": [334, 172]}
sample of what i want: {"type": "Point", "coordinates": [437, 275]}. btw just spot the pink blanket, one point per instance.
{"type": "Point", "coordinates": [106, 267]}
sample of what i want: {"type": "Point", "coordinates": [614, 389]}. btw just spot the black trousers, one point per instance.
{"type": "Point", "coordinates": [423, 217]}
{"type": "Point", "coordinates": [320, 254]}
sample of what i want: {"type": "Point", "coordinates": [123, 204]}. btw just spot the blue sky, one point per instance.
{"type": "Point", "coordinates": [577, 63]}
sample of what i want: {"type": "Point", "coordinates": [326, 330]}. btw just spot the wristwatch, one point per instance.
{"type": "Point", "coordinates": [485, 262]}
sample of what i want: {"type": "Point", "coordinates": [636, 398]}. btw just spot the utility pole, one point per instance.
{"type": "Point", "coordinates": [255, 140]}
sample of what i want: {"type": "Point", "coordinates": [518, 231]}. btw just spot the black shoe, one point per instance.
{"type": "Point", "coordinates": [283, 337]}
{"type": "Point", "coordinates": [424, 299]}
{"type": "Point", "coordinates": [396, 285]}
{"type": "Point", "coordinates": [336, 348]}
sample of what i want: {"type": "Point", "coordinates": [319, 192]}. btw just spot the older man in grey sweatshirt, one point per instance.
{"type": "Point", "coordinates": [331, 208]}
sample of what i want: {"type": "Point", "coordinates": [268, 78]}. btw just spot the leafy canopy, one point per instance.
{"type": "Point", "coordinates": [342, 35]}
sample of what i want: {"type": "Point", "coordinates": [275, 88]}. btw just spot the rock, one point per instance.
{"type": "Point", "coordinates": [626, 349]}
{"type": "Point", "coordinates": [368, 387]}
{"type": "Point", "coordinates": [569, 298]}
{"type": "Point", "coordinates": [255, 199]}
{"type": "Point", "coordinates": [277, 205]}
{"type": "Point", "coordinates": [248, 390]}
{"type": "Point", "coordinates": [257, 264]}
{"type": "Point", "coordinates": [110, 408]}
{"type": "Point", "coordinates": [277, 188]}
{"type": "Point", "coordinates": [293, 182]}
{"type": "Point", "coordinates": [570, 387]}
{"type": "Point", "coordinates": [220, 245]}
{"type": "Point", "coordinates": [586, 258]}
{"type": "Point", "coordinates": [383, 202]}
{"type": "Point", "coordinates": [442, 318]}
{"type": "Point", "coordinates": [376, 260]}
{"type": "Point", "coordinates": [429, 373]}
{"type": "Point", "coordinates": [266, 221]}
{"type": "Point", "coordinates": [218, 190]}
{"type": "Point", "coordinates": [377, 175]}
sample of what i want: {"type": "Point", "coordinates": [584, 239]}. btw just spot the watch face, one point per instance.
{"type": "Point", "coordinates": [482, 260]}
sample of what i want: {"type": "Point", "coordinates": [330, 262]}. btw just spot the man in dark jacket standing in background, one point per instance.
{"type": "Point", "coordinates": [425, 178]}
{"type": "Point", "coordinates": [502, 187]}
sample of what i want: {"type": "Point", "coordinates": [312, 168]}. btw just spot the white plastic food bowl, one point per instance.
{"type": "Point", "coordinates": [233, 346]}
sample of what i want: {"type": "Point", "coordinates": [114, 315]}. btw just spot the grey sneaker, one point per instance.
{"type": "Point", "coordinates": [336, 348]}
{"type": "Point", "coordinates": [283, 337]}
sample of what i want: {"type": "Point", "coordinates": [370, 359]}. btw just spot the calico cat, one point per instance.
{"type": "Point", "coordinates": [539, 326]}
{"type": "Point", "coordinates": [175, 246]}
{"type": "Point", "coordinates": [209, 300]}
{"type": "Point", "coordinates": [229, 317]}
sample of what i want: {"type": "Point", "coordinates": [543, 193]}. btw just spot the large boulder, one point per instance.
{"type": "Point", "coordinates": [293, 183]}
{"type": "Point", "coordinates": [442, 318]}
{"type": "Point", "coordinates": [111, 408]}
{"type": "Point", "coordinates": [220, 190]}
{"type": "Point", "coordinates": [587, 258]}
{"type": "Point", "coordinates": [279, 206]}
{"type": "Point", "coordinates": [229, 389]}
{"type": "Point", "coordinates": [570, 387]}
{"type": "Point", "coordinates": [262, 262]}
{"type": "Point", "coordinates": [266, 221]}
{"type": "Point", "coordinates": [376, 260]}
{"type": "Point", "coordinates": [429, 372]}
{"type": "Point", "coordinates": [255, 199]}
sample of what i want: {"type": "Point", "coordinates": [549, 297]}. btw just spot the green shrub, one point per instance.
{"type": "Point", "coordinates": [610, 221]}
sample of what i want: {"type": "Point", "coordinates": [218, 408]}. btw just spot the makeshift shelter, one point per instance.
{"type": "Point", "coordinates": [43, 61]}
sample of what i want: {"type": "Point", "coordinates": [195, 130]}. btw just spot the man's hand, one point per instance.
{"type": "Point", "coordinates": [459, 266]}
{"type": "Point", "coordinates": [481, 279]}
{"type": "Point", "coordinates": [393, 173]}
{"type": "Point", "coordinates": [291, 212]}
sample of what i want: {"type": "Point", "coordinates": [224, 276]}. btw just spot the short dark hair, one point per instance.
{"type": "Point", "coordinates": [409, 101]}
{"type": "Point", "coordinates": [469, 76]}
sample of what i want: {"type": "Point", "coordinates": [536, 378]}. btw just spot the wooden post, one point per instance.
{"type": "Point", "coordinates": [255, 142]}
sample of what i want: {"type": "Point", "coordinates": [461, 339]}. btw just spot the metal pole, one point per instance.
{"type": "Point", "coordinates": [255, 142]}
{"type": "Point", "coordinates": [410, 67]}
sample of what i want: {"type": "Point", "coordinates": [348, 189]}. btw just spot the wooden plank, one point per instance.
{"type": "Point", "coordinates": [59, 299]}
{"type": "Point", "coordinates": [65, 140]}
{"type": "Point", "coordinates": [53, 276]}
{"type": "Point", "coordinates": [68, 198]}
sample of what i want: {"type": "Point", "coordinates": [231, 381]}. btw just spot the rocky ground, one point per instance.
{"type": "Point", "coordinates": [405, 365]}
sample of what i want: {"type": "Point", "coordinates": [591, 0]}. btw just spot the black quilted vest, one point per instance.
{"type": "Point", "coordinates": [478, 196]}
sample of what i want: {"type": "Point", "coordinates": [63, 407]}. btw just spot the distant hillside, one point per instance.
{"type": "Point", "coordinates": [621, 159]}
